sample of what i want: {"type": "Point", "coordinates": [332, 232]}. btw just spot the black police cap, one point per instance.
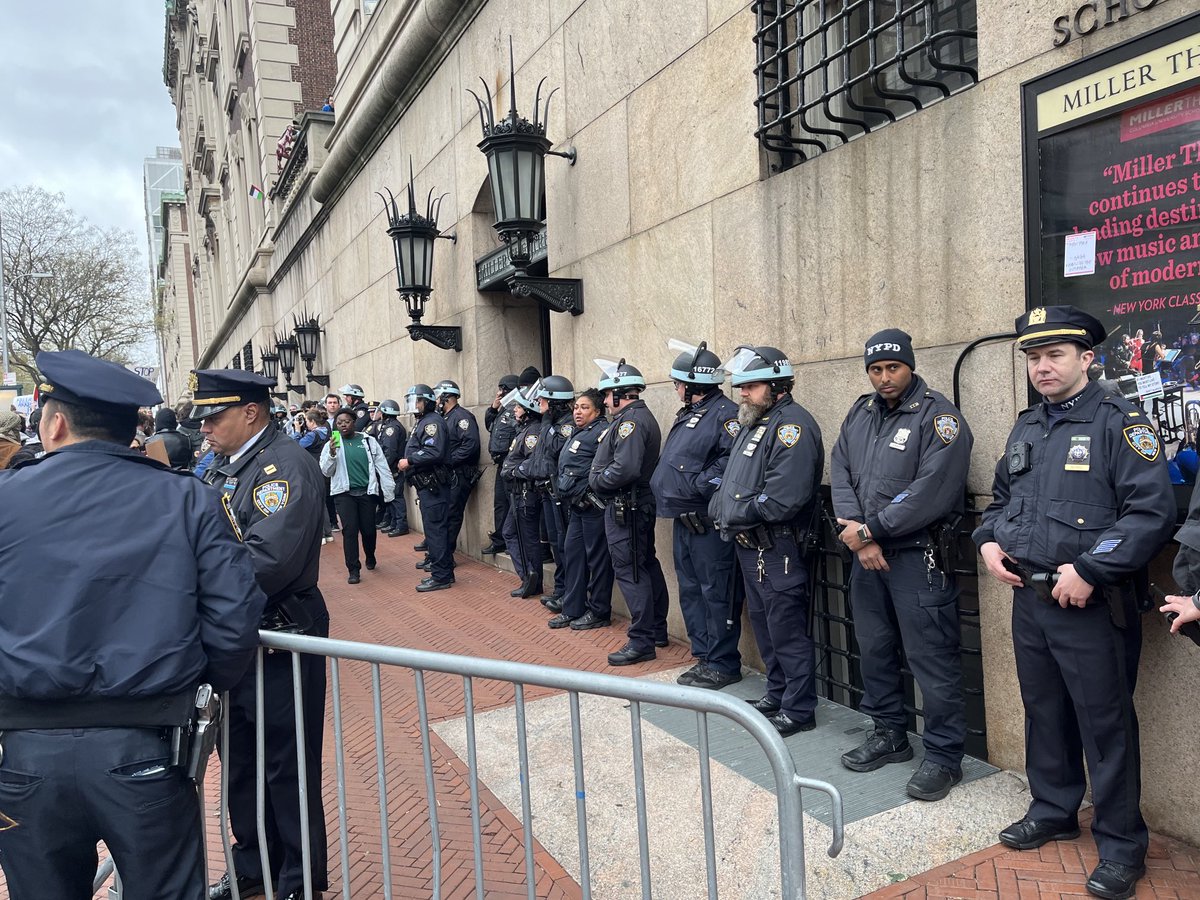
{"type": "Point", "coordinates": [72, 376]}
{"type": "Point", "coordinates": [215, 390]}
{"type": "Point", "coordinates": [1055, 324]}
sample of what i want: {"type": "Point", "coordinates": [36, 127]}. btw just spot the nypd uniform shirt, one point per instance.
{"type": "Point", "coordinates": [773, 473]}
{"type": "Point", "coordinates": [1089, 488]}
{"type": "Point", "coordinates": [429, 443]}
{"type": "Point", "coordinates": [362, 416]}
{"type": "Point", "coordinates": [694, 455]}
{"type": "Point", "coordinates": [502, 428]}
{"type": "Point", "coordinates": [575, 459]}
{"type": "Point", "coordinates": [554, 435]}
{"type": "Point", "coordinates": [904, 469]}
{"type": "Point", "coordinates": [524, 443]}
{"type": "Point", "coordinates": [464, 437]}
{"type": "Point", "coordinates": [392, 438]}
{"type": "Point", "coordinates": [628, 452]}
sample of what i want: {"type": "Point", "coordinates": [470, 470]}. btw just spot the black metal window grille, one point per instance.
{"type": "Point", "coordinates": [236, 363]}
{"type": "Point", "coordinates": [831, 70]}
{"type": "Point", "coordinates": [248, 357]}
{"type": "Point", "coordinates": [839, 677]}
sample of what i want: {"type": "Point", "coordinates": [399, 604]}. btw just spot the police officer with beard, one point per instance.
{"type": "Point", "coordinates": [899, 477]}
{"type": "Point", "coordinates": [521, 531]}
{"type": "Point", "coordinates": [393, 438]}
{"type": "Point", "coordinates": [463, 430]}
{"type": "Point", "coordinates": [766, 504]}
{"type": "Point", "coordinates": [621, 472]}
{"type": "Point", "coordinates": [275, 494]}
{"type": "Point", "coordinates": [501, 425]}
{"type": "Point", "coordinates": [555, 398]}
{"type": "Point", "coordinates": [426, 463]}
{"type": "Point", "coordinates": [1081, 501]}
{"type": "Point", "coordinates": [688, 474]}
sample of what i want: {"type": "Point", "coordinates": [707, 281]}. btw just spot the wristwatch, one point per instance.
{"type": "Point", "coordinates": [864, 535]}
{"type": "Point", "coordinates": [1196, 599]}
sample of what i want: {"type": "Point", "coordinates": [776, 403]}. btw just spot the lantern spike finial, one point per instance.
{"type": "Point", "coordinates": [512, 81]}
{"type": "Point", "coordinates": [546, 114]}
{"type": "Point", "coordinates": [429, 214]}
{"type": "Point", "coordinates": [412, 192]}
{"type": "Point", "coordinates": [537, 102]}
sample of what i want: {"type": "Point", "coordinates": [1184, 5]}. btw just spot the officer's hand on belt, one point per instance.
{"type": "Point", "coordinates": [993, 558]}
{"type": "Point", "coordinates": [1071, 589]}
{"type": "Point", "coordinates": [870, 557]}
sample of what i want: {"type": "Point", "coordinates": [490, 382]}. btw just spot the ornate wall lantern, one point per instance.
{"type": "Point", "coordinates": [516, 151]}
{"type": "Point", "coordinates": [270, 369]}
{"type": "Point", "coordinates": [287, 348]}
{"type": "Point", "coordinates": [413, 236]}
{"type": "Point", "coordinates": [308, 332]}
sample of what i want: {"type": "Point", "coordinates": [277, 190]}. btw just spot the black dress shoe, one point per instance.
{"type": "Point", "coordinates": [765, 705]}
{"type": "Point", "coordinates": [552, 602]}
{"type": "Point", "coordinates": [430, 585]}
{"type": "Point", "coordinates": [531, 586]}
{"type": "Point", "coordinates": [223, 890]}
{"type": "Point", "coordinates": [517, 591]}
{"type": "Point", "coordinates": [688, 678]}
{"type": "Point", "coordinates": [628, 655]}
{"type": "Point", "coordinates": [589, 620]}
{"type": "Point", "coordinates": [882, 747]}
{"type": "Point", "coordinates": [562, 620]}
{"type": "Point", "coordinates": [421, 547]}
{"type": "Point", "coordinates": [353, 579]}
{"type": "Point", "coordinates": [398, 532]}
{"type": "Point", "coordinates": [932, 781]}
{"type": "Point", "coordinates": [787, 726]}
{"type": "Point", "coordinates": [1029, 834]}
{"type": "Point", "coordinates": [428, 578]}
{"type": "Point", "coordinates": [1113, 880]}
{"type": "Point", "coordinates": [424, 565]}
{"type": "Point", "coordinates": [370, 563]}
{"type": "Point", "coordinates": [662, 642]}
{"type": "Point", "coordinates": [493, 548]}
{"type": "Point", "coordinates": [714, 679]}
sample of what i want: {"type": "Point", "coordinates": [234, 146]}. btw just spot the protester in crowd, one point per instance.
{"type": "Point", "coordinates": [145, 428]}
{"type": "Point", "coordinates": [32, 448]}
{"type": "Point", "coordinates": [10, 437]}
{"type": "Point", "coordinates": [178, 447]}
{"type": "Point", "coordinates": [358, 473]}
{"type": "Point", "coordinates": [313, 438]}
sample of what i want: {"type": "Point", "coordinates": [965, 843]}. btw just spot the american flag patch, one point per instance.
{"type": "Point", "coordinates": [1106, 546]}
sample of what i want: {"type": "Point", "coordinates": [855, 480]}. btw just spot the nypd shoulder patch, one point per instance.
{"type": "Point", "coordinates": [463, 424]}
{"type": "Point", "coordinates": [566, 429]}
{"type": "Point", "coordinates": [788, 434]}
{"type": "Point", "coordinates": [947, 428]}
{"type": "Point", "coordinates": [431, 429]}
{"type": "Point", "coordinates": [390, 431]}
{"type": "Point", "coordinates": [625, 429]}
{"type": "Point", "coordinates": [531, 441]}
{"type": "Point", "coordinates": [271, 496]}
{"type": "Point", "coordinates": [732, 427]}
{"type": "Point", "coordinates": [1144, 440]}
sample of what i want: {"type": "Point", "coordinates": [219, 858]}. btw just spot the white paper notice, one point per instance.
{"type": "Point", "coordinates": [1149, 386]}
{"type": "Point", "coordinates": [1080, 257]}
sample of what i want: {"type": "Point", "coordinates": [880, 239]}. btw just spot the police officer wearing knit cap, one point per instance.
{"type": "Point", "coordinates": [426, 463]}
{"type": "Point", "coordinates": [1081, 503]}
{"type": "Point", "coordinates": [106, 641]}
{"type": "Point", "coordinates": [688, 474]}
{"type": "Point", "coordinates": [621, 471]}
{"type": "Point", "coordinates": [275, 495]}
{"type": "Point", "coordinates": [501, 424]}
{"type": "Point", "coordinates": [899, 474]}
{"type": "Point", "coordinates": [766, 504]}
{"type": "Point", "coordinates": [393, 437]}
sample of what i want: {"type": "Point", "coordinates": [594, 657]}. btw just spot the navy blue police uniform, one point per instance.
{"type": "Point", "coordinates": [558, 425]}
{"type": "Point", "coordinates": [463, 431]}
{"type": "Point", "coordinates": [105, 643]}
{"type": "Point", "coordinates": [501, 426]}
{"type": "Point", "coordinates": [587, 597]}
{"type": "Point", "coordinates": [428, 455]}
{"type": "Point", "coordinates": [1082, 482]}
{"type": "Point", "coordinates": [275, 494]}
{"type": "Point", "coordinates": [689, 471]}
{"type": "Point", "coordinates": [765, 504]}
{"type": "Point", "coordinates": [522, 534]}
{"type": "Point", "coordinates": [620, 474]}
{"type": "Point", "coordinates": [393, 437]}
{"type": "Point", "coordinates": [901, 470]}
{"type": "Point", "coordinates": [362, 415]}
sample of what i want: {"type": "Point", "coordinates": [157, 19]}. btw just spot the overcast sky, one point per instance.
{"type": "Point", "coordinates": [84, 103]}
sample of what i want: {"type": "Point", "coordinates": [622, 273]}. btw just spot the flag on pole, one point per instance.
{"type": "Point", "coordinates": [256, 192]}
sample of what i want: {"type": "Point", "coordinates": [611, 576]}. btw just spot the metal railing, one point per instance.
{"type": "Point", "coordinates": [788, 783]}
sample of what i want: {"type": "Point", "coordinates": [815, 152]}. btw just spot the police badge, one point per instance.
{"type": "Point", "coordinates": [946, 427]}
{"type": "Point", "coordinates": [271, 497]}
{"type": "Point", "coordinates": [788, 434]}
{"type": "Point", "coordinates": [732, 427]}
{"type": "Point", "coordinates": [430, 429]}
{"type": "Point", "coordinates": [566, 429]}
{"type": "Point", "coordinates": [530, 441]}
{"type": "Point", "coordinates": [1144, 440]}
{"type": "Point", "coordinates": [625, 429]}
{"type": "Point", "coordinates": [463, 424]}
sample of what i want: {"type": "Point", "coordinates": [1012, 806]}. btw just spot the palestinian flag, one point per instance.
{"type": "Point", "coordinates": [256, 192]}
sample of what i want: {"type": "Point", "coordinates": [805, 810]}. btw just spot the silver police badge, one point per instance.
{"type": "Point", "coordinates": [271, 497]}
{"type": "Point", "coordinates": [625, 429]}
{"type": "Point", "coordinates": [946, 427]}
{"type": "Point", "coordinates": [788, 434]}
{"type": "Point", "coordinates": [1144, 440]}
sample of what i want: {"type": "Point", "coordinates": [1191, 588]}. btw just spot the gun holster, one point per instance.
{"type": "Point", "coordinates": [756, 538]}
{"type": "Point", "coordinates": [192, 743]}
{"type": "Point", "coordinates": [693, 522]}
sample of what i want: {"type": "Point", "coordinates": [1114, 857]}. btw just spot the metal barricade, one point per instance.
{"type": "Point", "coordinates": [788, 783]}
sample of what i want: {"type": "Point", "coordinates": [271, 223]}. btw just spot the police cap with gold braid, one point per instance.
{"type": "Point", "coordinates": [72, 376]}
{"type": "Point", "coordinates": [215, 390]}
{"type": "Point", "coordinates": [1055, 324]}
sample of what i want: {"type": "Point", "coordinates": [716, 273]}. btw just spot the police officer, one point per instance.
{"type": "Point", "coordinates": [354, 397]}
{"type": "Point", "coordinates": [521, 528]}
{"type": "Point", "coordinates": [1081, 502]}
{"type": "Point", "coordinates": [463, 429]}
{"type": "Point", "coordinates": [393, 438]}
{"type": "Point", "coordinates": [555, 398]}
{"type": "Point", "coordinates": [587, 600]}
{"type": "Point", "coordinates": [501, 425]}
{"type": "Point", "coordinates": [620, 475]}
{"type": "Point", "coordinates": [899, 478]}
{"type": "Point", "coordinates": [374, 419]}
{"type": "Point", "coordinates": [688, 473]}
{"type": "Point", "coordinates": [765, 504]}
{"type": "Point", "coordinates": [275, 494]}
{"type": "Point", "coordinates": [426, 463]}
{"type": "Point", "coordinates": [105, 642]}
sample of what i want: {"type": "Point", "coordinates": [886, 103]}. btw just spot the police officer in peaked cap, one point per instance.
{"type": "Point", "coordinates": [767, 503]}
{"type": "Point", "coordinates": [621, 471]}
{"type": "Point", "coordinates": [1081, 503]}
{"type": "Point", "coordinates": [393, 438]}
{"type": "Point", "coordinates": [463, 431]}
{"type": "Point", "coordinates": [688, 473]}
{"type": "Point", "coordinates": [501, 425]}
{"type": "Point", "coordinates": [355, 400]}
{"type": "Point", "coordinates": [426, 463]}
{"type": "Point", "coordinates": [112, 614]}
{"type": "Point", "coordinates": [899, 480]}
{"type": "Point", "coordinates": [275, 494]}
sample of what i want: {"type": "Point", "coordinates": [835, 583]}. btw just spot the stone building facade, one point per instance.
{"type": "Point", "coordinates": [684, 218]}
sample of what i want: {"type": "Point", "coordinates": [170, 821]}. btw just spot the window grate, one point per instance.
{"type": "Point", "coordinates": [248, 357]}
{"type": "Point", "coordinates": [829, 71]}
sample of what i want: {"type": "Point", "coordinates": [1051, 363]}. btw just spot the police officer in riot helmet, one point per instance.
{"type": "Point", "coordinates": [463, 430]}
{"type": "Point", "coordinates": [393, 437]}
{"type": "Point", "coordinates": [620, 475]}
{"type": "Point", "coordinates": [688, 473]}
{"type": "Point", "coordinates": [112, 613]}
{"type": "Point", "coordinates": [767, 504]}
{"type": "Point", "coordinates": [899, 479]}
{"type": "Point", "coordinates": [355, 400]}
{"type": "Point", "coordinates": [521, 528]}
{"type": "Point", "coordinates": [501, 425]}
{"type": "Point", "coordinates": [275, 493]}
{"type": "Point", "coordinates": [426, 463]}
{"type": "Point", "coordinates": [555, 398]}
{"type": "Point", "coordinates": [1081, 503]}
